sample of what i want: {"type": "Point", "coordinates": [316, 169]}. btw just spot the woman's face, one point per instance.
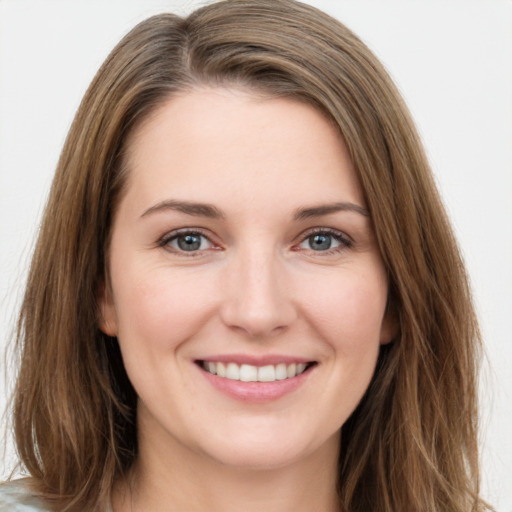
{"type": "Point", "coordinates": [246, 288]}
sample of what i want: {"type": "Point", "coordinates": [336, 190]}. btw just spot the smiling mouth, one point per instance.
{"type": "Point", "coordinates": [250, 373]}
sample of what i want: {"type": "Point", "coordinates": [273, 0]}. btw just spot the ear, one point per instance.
{"type": "Point", "coordinates": [107, 320]}
{"type": "Point", "coordinates": [390, 324]}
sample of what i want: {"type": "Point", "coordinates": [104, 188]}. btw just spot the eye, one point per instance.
{"type": "Point", "coordinates": [186, 241]}
{"type": "Point", "coordinates": [325, 240]}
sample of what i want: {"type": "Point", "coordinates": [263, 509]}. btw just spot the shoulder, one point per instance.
{"type": "Point", "coordinates": [16, 497]}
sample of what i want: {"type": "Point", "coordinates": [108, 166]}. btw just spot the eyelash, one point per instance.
{"type": "Point", "coordinates": [169, 237]}
{"type": "Point", "coordinates": [344, 241]}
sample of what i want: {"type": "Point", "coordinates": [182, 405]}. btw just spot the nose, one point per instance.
{"type": "Point", "coordinates": [257, 295]}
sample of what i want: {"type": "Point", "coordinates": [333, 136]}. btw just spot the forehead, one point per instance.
{"type": "Point", "coordinates": [231, 144]}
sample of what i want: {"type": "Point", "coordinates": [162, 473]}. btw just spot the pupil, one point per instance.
{"type": "Point", "coordinates": [320, 242]}
{"type": "Point", "coordinates": [189, 242]}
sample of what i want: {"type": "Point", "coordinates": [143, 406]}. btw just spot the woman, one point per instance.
{"type": "Point", "coordinates": [246, 293]}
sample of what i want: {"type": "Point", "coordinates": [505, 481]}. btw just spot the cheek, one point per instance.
{"type": "Point", "coordinates": [159, 308]}
{"type": "Point", "coordinates": [348, 311]}
{"type": "Point", "coordinates": [158, 311]}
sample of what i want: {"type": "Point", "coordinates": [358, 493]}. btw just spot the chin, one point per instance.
{"type": "Point", "coordinates": [256, 459]}
{"type": "Point", "coordinates": [268, 452]}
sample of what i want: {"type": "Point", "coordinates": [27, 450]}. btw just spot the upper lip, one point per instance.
{"type": "Point", "coordinates": [264, 360]}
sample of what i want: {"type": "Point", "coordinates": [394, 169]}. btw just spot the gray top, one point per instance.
{"type": "Point", "coordinates": [16, 497]}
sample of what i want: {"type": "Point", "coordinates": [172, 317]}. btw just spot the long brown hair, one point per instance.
{"type": "Point", "coordinates": [411, 443]}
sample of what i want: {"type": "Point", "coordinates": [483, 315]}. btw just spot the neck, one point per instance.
{"type": "Point", "coordinates": [180, 479]}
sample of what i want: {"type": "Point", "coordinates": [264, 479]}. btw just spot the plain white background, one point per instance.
{"type": "Point", "coordinates": [452, 60]}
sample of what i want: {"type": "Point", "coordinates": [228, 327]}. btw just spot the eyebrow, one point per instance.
{"type": "Point", "coordinates": [188, 207]}
{"type": "Point", "coordinates": [326, 209]}
{"type": "Point", "coordinates": [212, 212]}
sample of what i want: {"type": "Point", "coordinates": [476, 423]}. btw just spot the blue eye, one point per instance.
{"type": "Point", "coordinates": [322, 241]}
{"type": "Point", "coordinates": [188, 241]}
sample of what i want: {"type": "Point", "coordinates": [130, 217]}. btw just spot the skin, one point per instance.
{"type": "Point", "coordinates": [257, 285]}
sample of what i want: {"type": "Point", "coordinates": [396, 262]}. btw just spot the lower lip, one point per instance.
{"type": "Point", "coordinates": [257, 392]}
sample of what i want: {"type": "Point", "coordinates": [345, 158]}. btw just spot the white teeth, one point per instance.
{"type": "Point", "coordinates": [281, 372]}
{"type": "Point", "coordinates": [267, 373]}
{"type": "Point", "coordinates": [300, 368]}
{"type": "Point", "coordinates": [233, 371]}
{"type": "Point", "coordinates": [221, 369]}
{"type": "Point", "coordinates": [250, 373]}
